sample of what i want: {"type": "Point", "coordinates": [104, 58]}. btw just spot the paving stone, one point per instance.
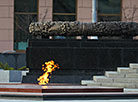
{"type": "Point", "coordinates": [113, 74]}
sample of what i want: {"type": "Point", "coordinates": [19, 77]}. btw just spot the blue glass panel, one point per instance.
{"type": "Point", "coordinates": [22, 45]}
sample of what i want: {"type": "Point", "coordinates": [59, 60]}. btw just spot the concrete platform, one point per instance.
{"type": "Point", "coordinates": [54, 91]}
{"type": "Point", "coordinates": [55, 88]}
{"type": "Point", "coordinates": [62, 92]}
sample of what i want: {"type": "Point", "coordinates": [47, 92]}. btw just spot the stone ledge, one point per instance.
{"type": "Point", "coordinates": [113, 74]}
{"type": "Point", "coordinates": [132, 75]}
{"type": "Point", "coordinates": [125, 80]}
{"type": "Point", "coordinates": [102, 79]}
{"type": "Point", "coordinates": [126, 70]}
{"type": "Point", "coordinates": [123, 85]}
{"type": "Point", "coordinates": [133, 65]}
{"type": "Point", "coordinates": [84, 82]}
{"type": "Point", "coordinates": [90, 83]}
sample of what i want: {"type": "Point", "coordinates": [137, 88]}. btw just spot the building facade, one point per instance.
{"type": "Point", "coordinates": [16, 15]}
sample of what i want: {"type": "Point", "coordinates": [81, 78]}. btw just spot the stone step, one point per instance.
{"type": "Point", "coordinates": [125, 80]}
{"type": "Point", "coordinates": [133, 65]}
{"type": "Point", "coordinates": [125, 77]}
{"type": "Point", "coordinates": [114, 74]}
{"type": "Point", "coordinates": [130, 90]}
{"type": "Point", "coordinates": [122, 85]}
{"type": "Point", "coordinates": [90, 83]}
{"type": "Point", "coordinates": [131, 75]}
{"type": "Point", "coordinates": [85, 82]}
{"type": "Point", "coordinates": [126, 70]}
{"type": "Point", "coordinates": [103, 79]}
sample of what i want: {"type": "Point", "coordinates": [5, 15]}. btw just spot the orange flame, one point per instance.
{"type": "Point", "coordinates": [48, 67]}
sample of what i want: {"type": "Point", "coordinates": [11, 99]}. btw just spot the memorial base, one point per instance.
{"type": "Point", "coordinates": [78, 59]}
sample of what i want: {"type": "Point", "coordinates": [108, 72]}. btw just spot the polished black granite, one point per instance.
{"type": "Point", "coordinates": [79, 59]}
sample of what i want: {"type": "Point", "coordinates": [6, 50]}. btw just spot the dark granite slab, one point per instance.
{"type": "Point", "coordinates": [79, 59]}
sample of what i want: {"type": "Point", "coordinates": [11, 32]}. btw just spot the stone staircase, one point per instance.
{"type": "Point", "coordinates": [126, 77]}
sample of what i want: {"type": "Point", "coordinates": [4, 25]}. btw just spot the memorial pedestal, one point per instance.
{"type": "Point", "coordinates": [78, 59]}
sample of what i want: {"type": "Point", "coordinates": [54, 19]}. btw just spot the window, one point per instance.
{"type": "Point", "coordinates": [109, 10]}
{"type": "Point", "coordinates": [64, 10]}
{"type": "Point", "coordinates": [25, 12]}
